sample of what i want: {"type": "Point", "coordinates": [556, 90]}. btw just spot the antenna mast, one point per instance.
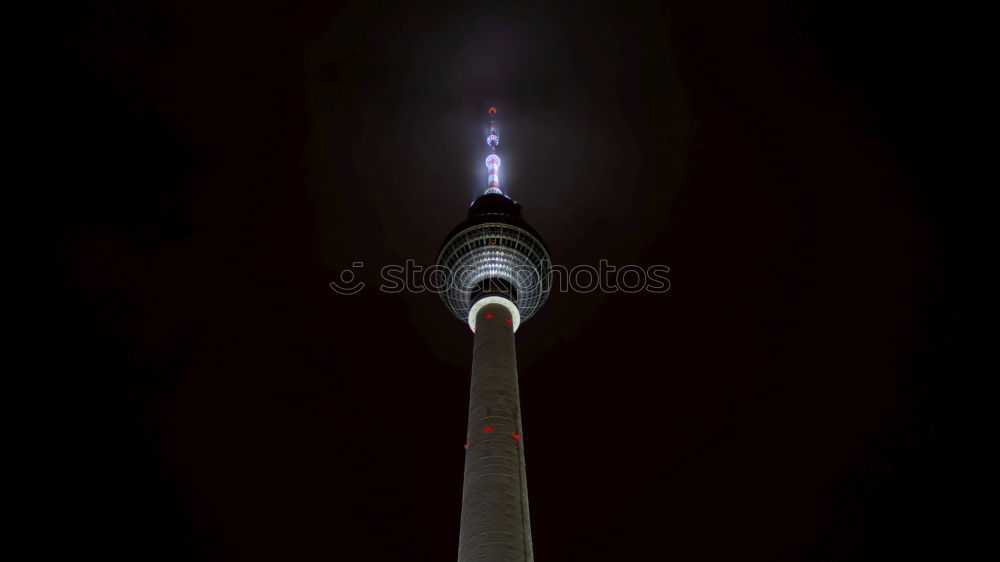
{"type": "Point", "coordinates": [493, 160]}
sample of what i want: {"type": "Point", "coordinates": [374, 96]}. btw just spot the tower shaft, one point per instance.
{"type": "Point", "coordinates": [495, 525]}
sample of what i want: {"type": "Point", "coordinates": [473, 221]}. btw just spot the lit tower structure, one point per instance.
{"type": "Point", "coordinates": [498, 276]}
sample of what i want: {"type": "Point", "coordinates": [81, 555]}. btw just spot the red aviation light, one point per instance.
{"type": "Point", "coordinates": [466, 444]}
{"type": "Point", "coordinates": [516, 436]}
{"type": "Point", "coordinates": [489, 316]}
{"type": "Point", "coordinates": [508, 320]}
{"type": "Point", "coordinates": [488, 430]}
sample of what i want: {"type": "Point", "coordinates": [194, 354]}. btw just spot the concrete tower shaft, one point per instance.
{"type": "Point", "coordinates": [495, 524]}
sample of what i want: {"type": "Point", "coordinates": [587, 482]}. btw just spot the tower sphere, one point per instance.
{"type": "Point", "coordinates": [494, 253]}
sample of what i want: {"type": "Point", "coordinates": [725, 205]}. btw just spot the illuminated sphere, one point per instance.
{"type": "Point", "coordinates": [494, 252]}
{"type": "Point", "coordinates": [492, 161]}
{"type": "Point", "coordinates": [492, 140]}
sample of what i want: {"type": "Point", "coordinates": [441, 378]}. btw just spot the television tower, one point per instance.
{"type": "Point", "coordinates": [498, 276]}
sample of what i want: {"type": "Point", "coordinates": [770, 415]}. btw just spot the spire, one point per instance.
{"type": "Point", "coordinates": [493, 160]}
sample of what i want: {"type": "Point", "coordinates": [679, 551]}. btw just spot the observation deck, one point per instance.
{"type": "Point", "coordinates": [494, 253]}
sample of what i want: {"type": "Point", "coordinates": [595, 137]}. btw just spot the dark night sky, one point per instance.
{"type": "Point", "coordinates": [206, 396]}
